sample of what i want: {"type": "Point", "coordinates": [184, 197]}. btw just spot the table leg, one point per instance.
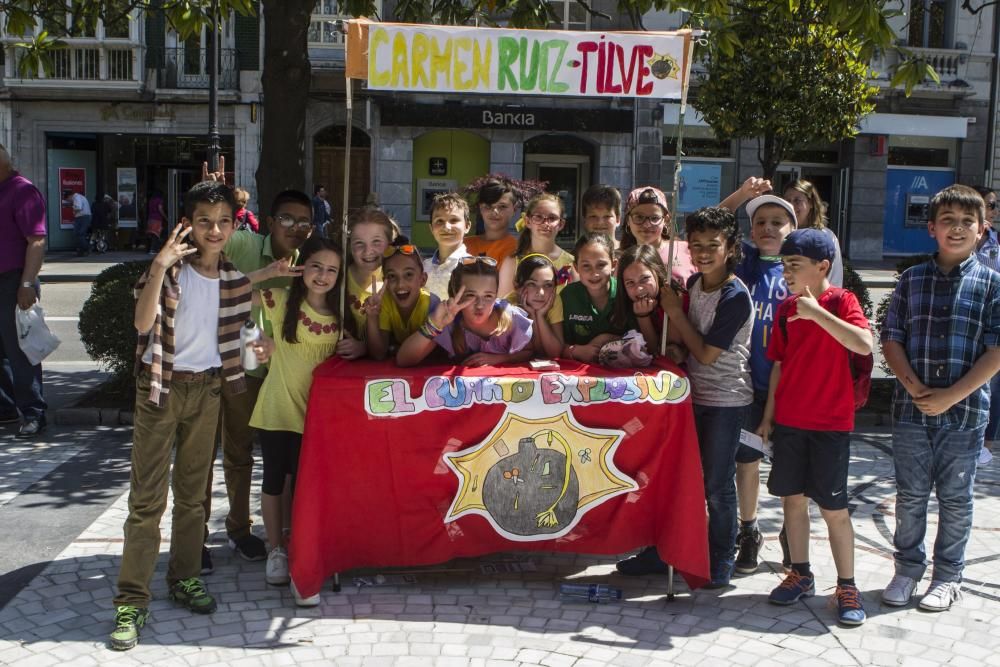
{"type": "Point", "coordinates": [336, 582]}
{"type": "Point", "coordinates": [670, 583]}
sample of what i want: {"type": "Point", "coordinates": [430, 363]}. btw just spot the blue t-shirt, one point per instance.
{"type": "Point", "coordinates": [765, 279]}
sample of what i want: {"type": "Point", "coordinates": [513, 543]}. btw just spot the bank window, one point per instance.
{"type": "Point", "coordinates": [572, 15]}
{"type": "Point", "coordinates": [930, 24]}
{"type": "Point", "coordinates": [910, 151]}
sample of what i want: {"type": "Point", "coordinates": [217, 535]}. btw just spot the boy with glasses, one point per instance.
{"type": "Point", "coordinates": [269, 262]}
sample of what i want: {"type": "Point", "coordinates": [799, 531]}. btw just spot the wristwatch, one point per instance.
{"type": "Point", "coordinates": [27, 284]}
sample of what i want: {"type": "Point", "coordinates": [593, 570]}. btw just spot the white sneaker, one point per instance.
{"type": "Point", "coordinates": [899, 591]}
{"type": "Point", "coordinates": [941, 595]}
{"type": "Point", "coordinates": [310, 601]}
{"type": "Point", "coordinates": [276, 572]}
{"type": "Point", "coordinates": [985, 456]}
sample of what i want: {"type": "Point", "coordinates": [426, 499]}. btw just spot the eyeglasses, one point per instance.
{"type": "Point", "coordinates": [646, 220]}
{"type": "Point", "coordinates": [401, 249]}
{"type": "Point", "coordinates": [485, 259]}
{"type": "Point", "coordinates": [287, 221]}
{"type": "Point", "coordinates": [991, 205]}
{"type": "Point", "coordinates": [545, 219]}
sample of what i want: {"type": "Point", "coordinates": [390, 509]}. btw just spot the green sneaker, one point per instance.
{"type": "Point", "coordinates": [128, 620]}
{"type": "Point", "coordinates": [191, 593]}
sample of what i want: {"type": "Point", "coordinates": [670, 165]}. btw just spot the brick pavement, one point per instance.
{"type": "Point", "coordinates": [455, 615]}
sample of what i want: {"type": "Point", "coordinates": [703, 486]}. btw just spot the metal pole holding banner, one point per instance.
{"type": "Point", "coordinates": [213, 91]}
{"type": "Point", "coordinates": [675, 193]}
{"type": "Point", "coordinates": [349, 99]}
{"type": "Point", "coordinates": [674, 201]}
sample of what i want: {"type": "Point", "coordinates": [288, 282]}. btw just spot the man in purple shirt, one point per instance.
{"type": "Point", "coordinates": [22, 249]}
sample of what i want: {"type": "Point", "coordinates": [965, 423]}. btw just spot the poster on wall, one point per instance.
{"type": "Point", "coordinates": [126, 197]}
{"type": "Point", "coordinates": [700, 186]}
{"type": "Point", "coordinates": [74, 179]}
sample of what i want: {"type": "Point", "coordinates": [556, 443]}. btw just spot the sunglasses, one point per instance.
{"type": "Point", "coordinates": [401, 249]}
{"type": "Point", "coordinates": [288, 221]}
{"type": "Point", "coordinates": [485, 259]}
{"type": "Point", "coordinates": [991, 205]}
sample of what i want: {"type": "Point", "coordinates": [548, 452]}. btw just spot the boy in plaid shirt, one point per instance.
{"type": "Point", "coordinates": [940, 338]}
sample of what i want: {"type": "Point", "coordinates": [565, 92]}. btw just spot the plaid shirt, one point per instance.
{"type": "Point", "coordinates": [944, 323]}
{"type": "Point", "coordinates": [988, 253]}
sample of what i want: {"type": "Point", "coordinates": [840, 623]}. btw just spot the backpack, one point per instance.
{"type": "Point", "coordinates": [861, 364]}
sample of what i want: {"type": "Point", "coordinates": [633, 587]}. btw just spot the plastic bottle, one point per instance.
{"type": "Point", "coordinates": [590, 593]}
{"type": "Point", "coordinates": [249, 333]}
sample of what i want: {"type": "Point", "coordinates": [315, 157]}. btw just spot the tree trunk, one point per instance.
{"type": "Point", "coordinates": [770, 153]}
{"type": "Point", "coordinates": [285, 79]}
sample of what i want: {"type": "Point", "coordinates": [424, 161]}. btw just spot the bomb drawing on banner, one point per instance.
{"type": "Point", "coordinates": [541, 489]}
{"type": "Point", "coordinates": [533, 490]}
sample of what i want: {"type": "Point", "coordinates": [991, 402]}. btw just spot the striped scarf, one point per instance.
{"type": "Point", "coordinates": [234, 308]}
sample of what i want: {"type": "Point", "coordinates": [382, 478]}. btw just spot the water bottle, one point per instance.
{"type": "Point", "coordinates": [249, 333]}
{"type": "Point", "coordinates": [590, 593]}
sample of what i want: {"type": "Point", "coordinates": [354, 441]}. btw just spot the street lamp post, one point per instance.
{"type": "Point", "coordinates": [213, 91]}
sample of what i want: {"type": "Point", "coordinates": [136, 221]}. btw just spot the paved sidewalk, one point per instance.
{"type": "Point", "coordinates": [455, 614]}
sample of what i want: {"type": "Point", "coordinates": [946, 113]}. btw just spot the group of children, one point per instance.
{"type": "Point", "coordinates": [499, 298]}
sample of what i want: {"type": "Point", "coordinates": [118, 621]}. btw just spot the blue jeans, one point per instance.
{"type": "Point", "coordinates": [718, 439]}
{"type": "Point", "coordinates": [81, 227]}
{"type": "Point", "coordinates": [20, 382]}
{"type": "Point", "coordinates": [993, 427]}
{"type": "Point", "coordinates": [945, 460]}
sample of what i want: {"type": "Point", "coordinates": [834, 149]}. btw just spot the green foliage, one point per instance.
{"type": "Point", "coordinates": [107, 319]}
{"type": "Point", "coordinates": [883, 305]}
{"type": "Point", "coordinates": [185, 16]}
{"type": "Point", "coordinates": [854, 283]}
{"type": "Point", "coordinates": [798, 83]}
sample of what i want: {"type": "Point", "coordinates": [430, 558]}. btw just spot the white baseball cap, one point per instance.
{"type": "Point", "coordinates": [757, 202]}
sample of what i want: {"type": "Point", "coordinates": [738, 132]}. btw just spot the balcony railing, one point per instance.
{"type": "Point", "coordinates": [188, 68]}
{"type": "Point", "coordinates": [956, 68]}
{"type": "Point", "coordinates": [98, 62]}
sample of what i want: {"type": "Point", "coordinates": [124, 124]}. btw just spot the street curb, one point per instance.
{"type": "Point", "coordinates": [93, 417]}
{"type": "Point", "coordinates": [67, 278]}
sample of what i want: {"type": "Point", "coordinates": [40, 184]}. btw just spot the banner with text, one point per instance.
{"type": "Point", "coordinates": [421, 58]}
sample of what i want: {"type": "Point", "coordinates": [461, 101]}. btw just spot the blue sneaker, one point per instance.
{"type": "Point", "coordinates": [794, 586]}
{"type": "Point", "coordinates": [850, 611]}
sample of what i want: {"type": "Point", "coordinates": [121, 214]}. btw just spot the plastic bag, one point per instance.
{"type": "Point", "coordinates": [33, 335]}
{"type": "Point", "coordinates": [627, 352]}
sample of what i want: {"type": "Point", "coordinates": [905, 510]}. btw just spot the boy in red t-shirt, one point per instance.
{"type": "Point", "coordinates": [810, 414]}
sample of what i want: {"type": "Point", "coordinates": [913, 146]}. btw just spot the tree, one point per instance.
{"type": "Point", "coordinates": [799, 82]}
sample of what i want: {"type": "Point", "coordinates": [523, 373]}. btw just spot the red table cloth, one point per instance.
{"type": "Point", "coordinates": [404, 467]}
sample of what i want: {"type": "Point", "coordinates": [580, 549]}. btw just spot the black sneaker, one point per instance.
{"type": "Point", "coordinates": [128, 622]}
{"type": "Point", "coordinates": [645, 562]}
{"type": "Point", "coordinates": [207, 567]}
{"type": "Point", "coordinates": [749, 541]}
{"type": "Point", "coordinates": [249, 547]}
{"type": "Point", "coordinates": [31, 427]}
{"type": "Point", "coordinates": [786, 555]}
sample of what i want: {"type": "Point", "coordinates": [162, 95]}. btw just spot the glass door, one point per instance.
{"type": "Point", "coordinates": [566, 176]}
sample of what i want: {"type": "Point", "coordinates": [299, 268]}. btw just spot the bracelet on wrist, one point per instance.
{"type": "Point", "coordinates": [571, 355]}
{"type": "Point", "coordinates": [647, 315]}
{"type": "Point", "coordinates": [432, 327]}
{"type": "Point", "coordinates": [426, 332]}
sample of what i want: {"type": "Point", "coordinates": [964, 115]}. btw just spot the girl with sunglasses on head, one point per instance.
{"type": "Point", "coordinates": [544, 217]}
{"type": "Point", "coordinates": [472, 326]}
{"type": "Point", "coordinates": [401, 306]}
{"type": "Point", "coordinates": [647, 222]}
